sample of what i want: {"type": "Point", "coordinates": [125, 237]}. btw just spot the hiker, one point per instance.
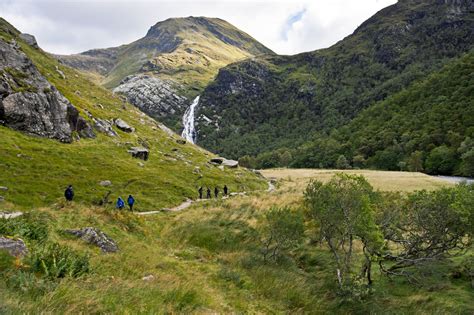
{"type": "Point", "coordinates": [200, 192]}
{"type": "Point", "coordinates": [208, 195]}
{"type": "Point", "coordinates": [216, 192]}
{"type": "Point", "coordinates": [69, 193]}
{"type": "Point", "coordinates": [130, 202]}
{"type": "Point", "coordinates": [225, 190]}
{"type": "Point", "coordinates": [120, 203]}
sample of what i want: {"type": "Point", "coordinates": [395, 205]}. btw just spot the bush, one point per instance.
{"type": "Point", "coordinates": [57, 261]}
{"type": "Point", "coordinates": [32, 227]}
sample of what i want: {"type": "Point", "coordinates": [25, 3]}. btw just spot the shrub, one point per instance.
{"type": "Point", "coordinates": [30, 226]}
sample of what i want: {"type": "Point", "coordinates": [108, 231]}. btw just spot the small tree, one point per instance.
{"type": "Point", "coordinates": [415, 162]}
{"type": "Point", "coordinates": [342, 163]}
{"type": "Point", "coordinates": [282, 230]}
{"type": "Point", "coordinates": [342, 207]}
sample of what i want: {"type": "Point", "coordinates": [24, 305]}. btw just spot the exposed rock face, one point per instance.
{"type": "Point", "coordinates": [122, 125]}
{"type": "Point", "coordinates": [224, 162]}
{"type": "Point", "coordinates": [104, 126]}
{"type": "Point", "coordinates": [29, 39]}
{"type": "Point", "coordinates": [156, 97]}
{"type": "Point", "coordinates": [139, 153]}
{"type": "Point", "coordinates": [95, 237]}
{"type": "Point", "coordinates": [15, 247]}
{"type": "Point", "coordinates": [29, 103]}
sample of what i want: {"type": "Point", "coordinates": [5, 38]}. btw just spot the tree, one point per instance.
{"type": "Point", "coordinates": [415, 162]}
{"type": "Point", "coordinates": [342, 208]}
{"type": "Point", "coordinates": [283, 230]}
{"type": "Point", "coordinates": [342, 163]}
{"type": "Point", "coordinates": [425, 227]}
{"type": "Point", "coordinates": [466, 149]}
{"type": "Point", "coordinates": [441, 160]}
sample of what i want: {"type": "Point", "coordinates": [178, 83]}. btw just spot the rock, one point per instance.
{"type": "Point", "coordinates": [141, 164]}
{"type": "Point", "coordinates": [2, 198]}
{"type": "Point", "coordinates": [224, 162]}
{"type": "Point", "coordinates": [60, 73]}
{"type": "Point", "coordinates": [139, 153]}
{"type": "Point", "coordinates": [181, 141]}
{"type": "Point", "coordinates": [230, 163]}
{"type": "Point", "coordinates": [15, 247]}
{"type": "Point", "coordinates": [29, 39]}
{"type": "Point", "coordinates": [148, 278]}
{"type": "Point", "coordinates": [29, 103]}
{"type": "Point", "coordinates": [3, 188]}
{"type": "Point", "coordinates": [104, 126]}
{"type": "Point", "coordinates": [95, 237]}
{"type": "Point", "coordinates": [10, 215]}
{"type": "Point", "coordinates": [154, 96]}
{"type": "Point", "coordinates": [122, 125]}
{"type": "Point", "coordinates": [221, 167]}
{"type": "Point", "coordinates": [105, 183]}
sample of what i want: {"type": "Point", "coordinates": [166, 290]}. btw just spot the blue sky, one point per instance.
{"type": "Point", "coordinates": [285, 26]}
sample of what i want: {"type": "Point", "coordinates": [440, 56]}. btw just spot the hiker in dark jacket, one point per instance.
{"type": "Point", "coordinates": [200, 192]}
{"type": "Point", "coordinates": [225, 190]}
{"type": "Point", "coordinates": [69, 193]}
{"type": "Point", "coordinates": [120, 203]}
{"type": "Point", "coordinates": [130, 202]}
{"type": "Point", "coordinates": [208, 195]}
{"type": "Point", "coordinates": [216, 192]}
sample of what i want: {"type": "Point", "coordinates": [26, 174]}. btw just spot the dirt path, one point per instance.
{"type": "Point", "coordinates": [188, 203]}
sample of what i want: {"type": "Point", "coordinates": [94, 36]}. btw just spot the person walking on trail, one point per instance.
{"type": "Point", "coordinates": [225, 190]}
{"type": "Point", "coordinates": [69, 193]}
{"type": "Point", "coordinates": [200, 192]}
{"type": "Point", "coordinates": [216, 192]}
{"type": "Point", "coordinates": [130, 202]}
{"type": "Point", "coordinates": [120, 203]}
{"type": "Point", "coordinates": [208, 195]}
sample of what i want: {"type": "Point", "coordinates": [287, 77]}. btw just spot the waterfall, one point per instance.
{"type": "Point", "coordinates": [189, 133]}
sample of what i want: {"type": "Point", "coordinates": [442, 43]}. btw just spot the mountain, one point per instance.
{"type": "Point", "coordinates": [172, 64]}
{"type": "Point", "coordinates": [271, 103]}
{"type": "Point", "coordinates": [44, 104]}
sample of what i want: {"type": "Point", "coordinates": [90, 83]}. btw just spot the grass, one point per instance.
{"type": "Point", "coordinates": [381, 180]}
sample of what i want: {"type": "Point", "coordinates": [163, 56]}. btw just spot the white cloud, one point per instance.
{"type": "Point", "coordinates": [287, 27]}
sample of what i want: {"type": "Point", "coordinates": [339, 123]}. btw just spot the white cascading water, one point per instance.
{"type": "Point", "coordinates": [189, 133]}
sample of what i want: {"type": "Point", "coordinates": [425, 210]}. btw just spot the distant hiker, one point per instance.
{"type": "Point", "coordinates": [200, 192]}
{"type": "Point", "coordinates": [130, 202]}
{"type": "Point", "coordinates": [216, 192]}
{"type": "Point", "coordinates": [69, 193]}
{"type": "Point", "coordinates": [225, 190]}
{"type": "Point", "coordinates": [208, 195]}
{"type": "Point", "coordinates": [120, 203]}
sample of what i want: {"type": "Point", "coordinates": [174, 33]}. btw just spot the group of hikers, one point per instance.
{"type": "Point", "coordinates": [208, 192]}
{"type": "Point", "coordinates": [120, 204]}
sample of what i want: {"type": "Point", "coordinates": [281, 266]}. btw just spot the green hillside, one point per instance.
{"type": "Point", "coordinates": [281, 102]}
{"type": "Point", "coordinates": [37, 170]}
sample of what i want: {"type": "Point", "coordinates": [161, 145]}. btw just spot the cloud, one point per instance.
{"type": "Point", "coordinates": [287, 27]}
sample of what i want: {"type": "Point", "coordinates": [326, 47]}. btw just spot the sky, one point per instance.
{"type": "Point", "coordinates": [285, 26]}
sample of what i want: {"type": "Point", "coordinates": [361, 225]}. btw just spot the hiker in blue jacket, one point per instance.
{"type": "Point", "coordinates": [120, 203]}
{"type": "Point", "coordinates": [130, 202]}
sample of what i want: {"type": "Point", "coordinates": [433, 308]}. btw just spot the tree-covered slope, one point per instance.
{"type": "Point", "coordinates": [36, 170]}
{"type": "Point", "coordinates": [427, 127]}
{"type": "Point", "coordinates": [263, 104]}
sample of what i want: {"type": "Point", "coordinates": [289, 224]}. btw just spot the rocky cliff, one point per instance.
{"type": "Point", "coordinates": [29, 103]}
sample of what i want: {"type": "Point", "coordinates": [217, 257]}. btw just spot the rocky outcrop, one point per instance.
{"type": "Point", "coordinates": [139, 153]}
{"type": "Point", "coordinates": [15, 247]}
{"type": "Point", "coordinates": [95, 237]}
{"type": "Point", "coordinates": [29, 39]}
{"type": "Point", "coordinates": [104, 126]}
{"type": "Point", "coordinates": [156, 97]}
{"type": "Point", "coordinates": [224, 162]}
{"type": "Point", "coordinates": [122, 125]}
{"type": "Point", "coordinates": [29, 103]}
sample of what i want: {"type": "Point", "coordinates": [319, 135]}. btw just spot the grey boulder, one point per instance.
{"type": "Point", "coordinates": [29, 39]}
{"type": "Point", "coordinates": [122, 125]}
{"type": "Point", "coordinates": [95, 237]}
{"type": "Point", "coordinates": [139, 153]}
{"type": "Point", "coordinates": [15, 247]}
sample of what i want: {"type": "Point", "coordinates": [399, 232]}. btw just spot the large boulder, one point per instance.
{"type": "Point", "coordinates": [29, 39]}
{"type": "Point", "coordinates": [122, 125]}
{"type": "Point", "coordinates": [139, 153]}
{"type": "Point", "coordinates": [95, 237]}
{"type": "Point", "coordinates": [104, 126]}
{"type": "Point", "coordinates": [224, 162]}
{"type": "Point", "coordinates": [15, 247]}
{"type": "Point", "coordinates": [29, 103]}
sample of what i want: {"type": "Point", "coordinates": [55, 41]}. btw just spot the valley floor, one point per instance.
{"type": "Point", "coordinates": [206, 259]}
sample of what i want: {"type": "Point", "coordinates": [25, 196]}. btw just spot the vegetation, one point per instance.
{"type": "Point", "coordinates": [309, 108]}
